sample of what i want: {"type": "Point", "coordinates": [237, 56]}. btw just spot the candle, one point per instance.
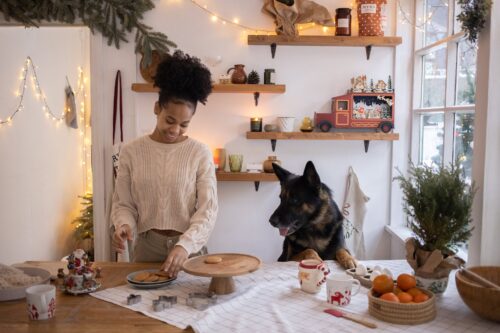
{"type": "Point", "coordinates": [256, 124]}
{"type": "Point", "coordinates": [220, 159]}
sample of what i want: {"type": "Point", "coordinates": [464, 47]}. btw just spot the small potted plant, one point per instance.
{"type": "Point", "coordinates": [438, 204]}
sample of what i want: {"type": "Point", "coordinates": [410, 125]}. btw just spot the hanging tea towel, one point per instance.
{"type": "Point", "coordinates": [354, 210]}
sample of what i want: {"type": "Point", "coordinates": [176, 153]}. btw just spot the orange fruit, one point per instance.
{"type": "Point", "coordinates": [405, 297]}
{"type": "Point", "coordinates": [390, 297]}
{"type": "Point", "coordinates": [420, 298]}
{"type": "Point", "coordinates": [397, 290]}
{"type": "Point", "coordinates": [414, 291]}
{"type": "Point", "coordinates": [406, 281]}
{"type": "Point", "coordinates": [383, 284]}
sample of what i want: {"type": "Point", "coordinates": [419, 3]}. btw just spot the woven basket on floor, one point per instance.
{"type": "Point", "coordinates": [403, 313]}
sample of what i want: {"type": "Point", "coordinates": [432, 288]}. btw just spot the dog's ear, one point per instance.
{"type": "Point", "coordinates": [280, 172]}
{"type": "Point", "coordinates": [311, 175]}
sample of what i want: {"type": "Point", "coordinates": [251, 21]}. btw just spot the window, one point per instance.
{"type": "Point", "coordinates": [444, 87]}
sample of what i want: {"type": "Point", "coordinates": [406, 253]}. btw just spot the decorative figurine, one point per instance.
{"type": "Point", "coordinates": [306, 125]}
{"type": "Point", "coordinates": [380, 86]}
{"type": "Point", "coordinates": [371, 85]}
{"type": "Point", "coordinates": [359, 83]}
{"type": "Point", "coordinates": [80, 279]}
{"type": "Point", "coordinates": [389, 84]}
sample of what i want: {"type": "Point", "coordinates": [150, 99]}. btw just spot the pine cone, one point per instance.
{"type": "Point", "coordinates": [253, 78]}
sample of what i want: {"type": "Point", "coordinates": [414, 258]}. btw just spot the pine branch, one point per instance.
{"type": "Point", "coordinates": [114, 19]}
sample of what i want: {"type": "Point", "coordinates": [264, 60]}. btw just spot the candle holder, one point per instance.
{"type": "Point", "coordinates": [256, 124]}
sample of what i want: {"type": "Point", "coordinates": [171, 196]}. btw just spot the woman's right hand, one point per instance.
{"type": "Point", "coordinates": [122, 234]}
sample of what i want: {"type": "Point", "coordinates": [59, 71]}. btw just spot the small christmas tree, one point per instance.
{"type": "Point", "coordinates": [253, 78]}
{"type": "Point", "coordinates": [371, 84]}
{"type": "Point", "coordinates": [389, 84]}
{"type": "Point", "coordinates": [84, 230]}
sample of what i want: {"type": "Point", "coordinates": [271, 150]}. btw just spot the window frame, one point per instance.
{"type": "Point", "coordinates": [449, 109]}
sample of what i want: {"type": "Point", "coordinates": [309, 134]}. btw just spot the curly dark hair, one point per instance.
{"type": "Point", "coordinates": [180, 76]}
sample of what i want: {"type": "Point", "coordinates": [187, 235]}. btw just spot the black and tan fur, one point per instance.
{"type": "Point", "coordinates": [309, 219]}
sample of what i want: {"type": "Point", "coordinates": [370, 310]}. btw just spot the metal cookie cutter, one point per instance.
{"type": "Point", "coordinates": [201, 301]}
{"type": "Point", "coordinates": [133, 299]}
{"type": "Point", "coordinates": [164, 302]}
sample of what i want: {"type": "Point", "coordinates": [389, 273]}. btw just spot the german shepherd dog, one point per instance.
{"type": "Point", "coordinates": [309, 219]}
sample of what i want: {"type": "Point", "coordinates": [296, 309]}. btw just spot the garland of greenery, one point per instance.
{"type": "Point", "coordinates": [473, 17]}
{"type": "Point", "coordinates": [112, 18]}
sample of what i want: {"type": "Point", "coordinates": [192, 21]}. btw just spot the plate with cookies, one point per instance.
{"type": "Point", "coordinates": [149, 279]}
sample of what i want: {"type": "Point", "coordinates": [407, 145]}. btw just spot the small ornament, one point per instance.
{"type": "Point", "coordinates": [60, 273]}
{"type": "Point", "coordinates": [253, 78]}
{"type": "Point", "coordinates": [371, 85]}
{"type": "Point", "coordinates": [380, 86]}
{"type": "Point", "coordinates": [359, 83]}
{"type": "Point", "coordinates": [389, 84]}
{"type": "Point", "coordinates": [306, 125]}
{"type": "Point", "coordinates": [98, 273]}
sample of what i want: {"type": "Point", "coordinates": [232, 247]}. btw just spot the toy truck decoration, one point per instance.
{"type": "Point", "coordinates": [359, 110]}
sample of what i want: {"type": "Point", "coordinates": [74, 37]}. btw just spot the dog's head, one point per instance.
{"type": "Point", "coordinates": [300, 199]}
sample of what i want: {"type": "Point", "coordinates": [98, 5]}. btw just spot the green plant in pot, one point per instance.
{"type": "Point", "coordinates": [438, 204]}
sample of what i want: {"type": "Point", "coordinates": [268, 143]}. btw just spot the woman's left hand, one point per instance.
{"type": "Point", "coordinates": [174, 261]}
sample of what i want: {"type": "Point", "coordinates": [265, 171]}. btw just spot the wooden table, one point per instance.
{"type": "Point", "coordinates": [84, 313]}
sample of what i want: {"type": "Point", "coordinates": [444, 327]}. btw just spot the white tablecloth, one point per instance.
{"type": "Point", "coordinates": [270, 300]}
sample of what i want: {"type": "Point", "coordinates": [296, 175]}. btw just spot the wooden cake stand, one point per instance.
{"type": "Point", "coordinates": [232, 264]}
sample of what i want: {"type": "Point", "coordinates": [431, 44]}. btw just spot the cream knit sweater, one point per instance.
{"type": "Point", "coordinates": [167, 186]}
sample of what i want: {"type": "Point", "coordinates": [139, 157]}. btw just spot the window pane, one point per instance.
{"type": "Point", "coordinates": [463, 142]}
{"type": "Point", "coordinates": [434, 78]}
{"type": "Point", "coordinates": [436, 20]}
{"type": "Point", "coordinates": [431, 138]}
{"type": "Point", "coordinates": [456, 25]}
{"type": "Point", "coordinates": [466, 74]}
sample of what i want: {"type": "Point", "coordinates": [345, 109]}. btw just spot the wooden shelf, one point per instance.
{"type": "Point", "coordinates": [365, 136]}
{"type": "Point", "coordinates": [255, 89]}
{"type": "Point", "coordinates": [246, 177]}
{"type": "Point", "coordinates": [349, 41]}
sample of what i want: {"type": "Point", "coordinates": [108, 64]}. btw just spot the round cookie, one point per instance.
{"type": "Point", "coordinates": [213, 260]}
{"type": "Point", "coordinates": [141, 276]}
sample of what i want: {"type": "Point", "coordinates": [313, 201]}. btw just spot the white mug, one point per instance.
{"type": "Point", "coordinates": [41, 301]}
{"type": "Point", "coordinates": [312, 274]}
{"type": "Point", "coordinates": [339, 289]}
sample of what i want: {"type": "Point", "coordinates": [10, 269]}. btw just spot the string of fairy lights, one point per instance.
{"type": "Point", "coordinates": [84, 130]}
{"type": "Point", "coordinates": [216, 18]}
{"type": "Point", "coordinates": [406, 18]}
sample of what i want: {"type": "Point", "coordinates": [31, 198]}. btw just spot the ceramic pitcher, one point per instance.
{"type": "Point", "coordinates": [239, 76]}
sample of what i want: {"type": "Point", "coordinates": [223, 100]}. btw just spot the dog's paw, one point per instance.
{"type": "Point", "coordinates": [345, 259]}
{"type": "Point", "coordinates": [307, 254]}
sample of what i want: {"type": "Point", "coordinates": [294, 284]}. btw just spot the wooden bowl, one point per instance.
{"type": "Point", "coordinates": [402, 313]}
{"type": "Point", "coordinates": [485, 302]}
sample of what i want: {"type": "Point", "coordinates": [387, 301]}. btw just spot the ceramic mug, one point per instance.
{"type": "Point", "coordinates": [312, 275]}
{"type": "Point", "coordinates": [339, 289]}
{"type": "Point", "coordinates": [41, 301]}
{"type": "Point", "coordinates": [235, 162]}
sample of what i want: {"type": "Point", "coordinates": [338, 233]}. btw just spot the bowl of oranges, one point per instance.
{"type": "Point", "coordinates": [400, 301]}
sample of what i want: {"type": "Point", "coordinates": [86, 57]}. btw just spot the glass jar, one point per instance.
{"type": "Point", "coordinates": [343, 22]}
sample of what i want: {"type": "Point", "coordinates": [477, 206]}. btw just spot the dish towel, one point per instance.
{"type": "Point", "coordinates": [354, 210]}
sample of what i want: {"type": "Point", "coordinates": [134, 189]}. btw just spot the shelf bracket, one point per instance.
{"type": "Point", "coordinates": [256, 186]}
{"type": "Point", "coordinates": [273, 49]}
{"type": "Point", "coordinates": [256, 96]}
{"type": "Point", "coordinates": [367, 144]}
{"type": "Point", "coordinates": [368, 49]}
{"type": "Point", "coordinates": [273, 144]}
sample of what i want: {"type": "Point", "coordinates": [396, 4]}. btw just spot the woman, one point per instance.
{"type": "Point", "coordinates": [166, 184]}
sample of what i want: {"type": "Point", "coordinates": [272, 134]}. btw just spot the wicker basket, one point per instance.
{"type": "Point", "coordinates": [485, 302]}
{"type": "Point", "coordinates": [403, 313]}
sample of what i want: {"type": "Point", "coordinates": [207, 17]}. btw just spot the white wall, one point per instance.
{"type": "Point", "coordinates": [312, 76]}
{"type": "Point", "coordinates": [40, 171]}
